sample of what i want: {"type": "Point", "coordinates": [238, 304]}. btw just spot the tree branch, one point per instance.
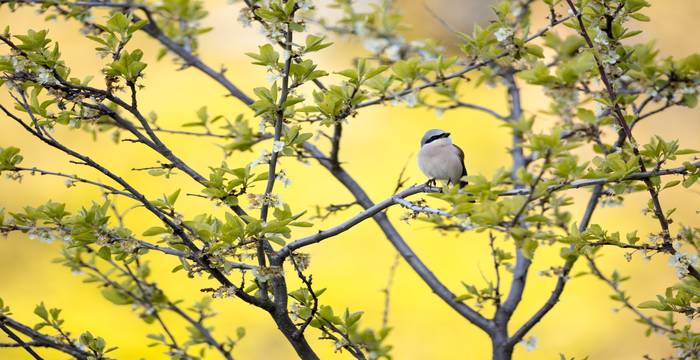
{"type": "Point", "coordinates": [398, 242]}
{"type": "Point", "coordinates": [622, 122]}
{"type": "Point", "coordinates": [153, 31]}
{"type": "Point", "coordinates": [42, 339]}
{"type": "Point", "coordinates": [177, 229]}
{"type": "Point", "coordinates": [19, 342]}
{"type": "Point", "coordinates": [615, 286]}
{"type": "Point", "coordinates": [458, 74]}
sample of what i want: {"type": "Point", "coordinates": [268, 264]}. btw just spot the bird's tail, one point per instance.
{"type": "Point", "coordinates": [463, 183]}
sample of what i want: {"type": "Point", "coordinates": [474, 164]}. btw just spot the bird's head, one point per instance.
{"type": "Point", "coordinates": [433, 135]}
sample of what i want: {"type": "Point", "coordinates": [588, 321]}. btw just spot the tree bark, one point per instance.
{"type": "Point", "coordinates": [502, 352]}
{"type": "Point", "coordinates": [501, 348]}
{"type": "Point", "coordinates": [301, 346]}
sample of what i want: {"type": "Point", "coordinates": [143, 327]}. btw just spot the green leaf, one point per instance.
{"type": "Point", "coordinates": [116, 297]}
{"type": "Point", "coordinates": [40, 311]}
{"type": "Point", "coordinates": [9, 158]}
{"type": "Point", "coordinates": [315, 43]}
{"type": "Point", "coordinates": [105, 252]}
{"type": "Point", "coordinates": [301, 224]}
{"type": "Point", "coordinates": [640, 17]}
{"type": "Point", "coordinates": [464, 297]}
{"type": "Point", "coordinates": [156, 230]}
{"type": "Point", "coordinates": [534, 50]}
{"type": "Point", "coordinates": [267, 56]}
{"type": "Point", "coordinates": [128, 66]}
{"type": "Point", "coordinates": [651, 304]}
{"type": "Point", "coordinates": [118, 23]}
{"type": "Point", "coordinates": [172, 198]}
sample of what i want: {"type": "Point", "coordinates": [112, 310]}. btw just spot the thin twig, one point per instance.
{"type": "Point", "coordinates": [615, 286]}
{"type": "Point", "coordinates": [387, 290]}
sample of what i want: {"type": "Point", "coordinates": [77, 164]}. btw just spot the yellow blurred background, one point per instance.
{"type": "Point", "coordinates": [353, 266]}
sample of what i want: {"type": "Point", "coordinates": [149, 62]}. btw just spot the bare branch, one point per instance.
{"type": "Point", "coordinates": [73, 178]}
{"type": "Point", "coordinates": [615, 286]}
{"type": "Point", "coordinates": [364, 215]}
{"type": "Point", "coordinates": [387, 290]}
{"type": "Point", "coordinates": [461, 104]}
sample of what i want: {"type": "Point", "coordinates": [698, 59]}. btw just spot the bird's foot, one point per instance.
{"type": "Point", "coordinates": [432, 182]}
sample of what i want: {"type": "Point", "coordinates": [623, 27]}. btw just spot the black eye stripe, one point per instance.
{"type": "Point", "coordinates": [435, 137]}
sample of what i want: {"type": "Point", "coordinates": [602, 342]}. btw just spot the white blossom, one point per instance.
{"type": "Point", "coordinates": [244, 17]}
{"type": "Point", "coordinates": [626, 78]}
{"type": "Point", "coordinates": [18, 64]}
{"type": "Point", "coordinates": [375, 45]}
{"type": "Point", "coordinates": [224, 292]}
{"type": "Point", "coordinates": [611, 58]}
{"type": "Point", "coordinates": [688, 90]}
{"type": "Point", "coordinates": [601, 37]}
{"type": "Point", "coordinates": [85, 30]}
{"type": "Point", "coordinates": [417, 43]}
{"type": "Point", "coordinates": [45, 77]}
{"type": "Point", "coordinates": [305, 4]}
{"type": "Point", "coordinates": [676, 245]}
{"type": "Point", "coordinates": [517, 10]}
{"type": "Point", "coordinates": [395, 99]}
{"type": "Point", "coordinates": [411, 99]}
{"type": "Point", "coordinates": [467, 225]}
{"type": "Point", "coordinates": [530, 343]}
{"type": "Point", "coordinates": [426, 55]}
{"type": "Point", "coordinates": [360, 28]}
{"type": "Point", "coordinates": [276, 201]}
{"type": "Point", "coordinates": [681, 261]}
{"type": "Point", "coordinates": [282, 177]}
{"type": "Point", "coordinates": [439, 112]}
{"type": "Point", "coordinates": [340, 343]}
{"type": "Point", "coordinates": [393, 52]}
{"type": "Point", "coordinates": [263, 274]}
{"type": "Point", "coordinates": [277, 146]}
{"type": "Point", "coordinates": [502, 34]}
{"type": "Point", "coordinates": [263, 159]}
{"type": "Point", "coordinates": [294, 309]}
{"type": "Point", "coordinates": [10, 85]}
{"type": "Point", "coordinates": [273, 76]}
{"type": "Point", "coordinates": [599, 109]}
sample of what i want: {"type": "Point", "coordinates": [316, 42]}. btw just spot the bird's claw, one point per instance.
{"type": "Point", "coordinates": [431, 182]}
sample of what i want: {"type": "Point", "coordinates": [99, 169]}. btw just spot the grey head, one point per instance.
{"type": "Point", "coordinates": [432, 135]}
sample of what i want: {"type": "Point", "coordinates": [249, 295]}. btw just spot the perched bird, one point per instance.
{"type": "Point", "coordinates": [440, 159]}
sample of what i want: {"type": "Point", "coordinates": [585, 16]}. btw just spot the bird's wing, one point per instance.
{"type": "Point", "coordinates": [460, 153]}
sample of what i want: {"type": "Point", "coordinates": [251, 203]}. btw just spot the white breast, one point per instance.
{"type": "Point", "coordinates": [439, 160]}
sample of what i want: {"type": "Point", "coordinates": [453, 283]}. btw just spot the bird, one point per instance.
{"type": "Point", "coordinates": [440, 159]}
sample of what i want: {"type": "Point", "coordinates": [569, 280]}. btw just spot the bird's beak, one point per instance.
{"type": "Point", "coordinates": [448, 134]}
